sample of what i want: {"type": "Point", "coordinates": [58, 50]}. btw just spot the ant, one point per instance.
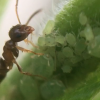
{"type": "Point", "coordinates": [17, 33]}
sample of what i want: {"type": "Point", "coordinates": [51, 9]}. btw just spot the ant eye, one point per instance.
{"type": "Point", "coordinates": [18, 35]}
{"type": "Point", "coordinates": [20, 32]}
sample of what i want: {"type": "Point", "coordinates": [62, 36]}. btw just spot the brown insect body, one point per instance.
{"type": "Point", "coordinates": [11, 50]}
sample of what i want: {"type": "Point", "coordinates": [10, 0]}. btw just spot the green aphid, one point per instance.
{"type": "Point", "coordinates": [71, 39]}
{"type": "Point", "coordinates": [96, 31]}
{"type": "Point", "coordinates": [49, 27]}
{"type": "Point", "coordinates": [41, 41]}
{"type": "Point", "coordinates": [82, 34]}
{"type": "Point", "coordinates": [80, 46]}
{"type": "Point", "coordinates": [60, 39]}
{"type": "Point", "coordinates": [83, 19]}
{"type": "Point", "coordinates": [94, 47]}
{"type": "Point", "coordinates": [88, 32]}
{"type": "Point", "coordinates": [50, 41]}
{"type": "Point", "coordinates": [66, 68]}
{"type": "Point", "coordinates": [68, 52]}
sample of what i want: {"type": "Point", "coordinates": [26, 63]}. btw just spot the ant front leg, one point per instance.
{"type": "Point", "coordinates": [29, 51]}
{"type": "Point", "coordinates": [27, 41]}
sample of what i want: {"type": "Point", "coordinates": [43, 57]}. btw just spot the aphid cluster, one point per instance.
{"type": "Point", "coordinates": [17, 33]}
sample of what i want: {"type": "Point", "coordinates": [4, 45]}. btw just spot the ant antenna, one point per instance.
{"type": "Point", "coordinates": [17, 11]}
{"type": "Point", "coordinates": [33, 16]}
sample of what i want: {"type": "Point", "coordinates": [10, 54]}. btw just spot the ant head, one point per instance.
{"type": "Point", "coordinates": [20, 32]}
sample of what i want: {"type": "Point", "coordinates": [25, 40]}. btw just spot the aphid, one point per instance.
{"type": "Point", "coordinates": [17, 33]}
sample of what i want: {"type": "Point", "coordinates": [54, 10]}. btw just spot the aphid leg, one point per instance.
{"type": "Point", "coordinates": [27, 41]}
{"type": "Point", "coordinates": [26, 73]}
{"type": "Point", "coordinates": [29, 51]}
{"type": "Point", "coordinates": [16, 10]}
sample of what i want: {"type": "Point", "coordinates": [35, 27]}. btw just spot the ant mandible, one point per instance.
{"type": "Point", "coordinates": [17, 33]}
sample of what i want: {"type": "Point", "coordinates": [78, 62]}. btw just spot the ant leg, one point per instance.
{"type": "Point", "coordinates": [27, 41]}
{"type": "Point", "coordinates": [26, 73]}
{"type": "Point", "coordinates": [25, 50]}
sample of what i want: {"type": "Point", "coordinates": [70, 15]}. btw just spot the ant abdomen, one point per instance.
{"type": "Point", "coordinates": [3, 67]}
{"type": "Point", "coordinates": [20, 32]}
